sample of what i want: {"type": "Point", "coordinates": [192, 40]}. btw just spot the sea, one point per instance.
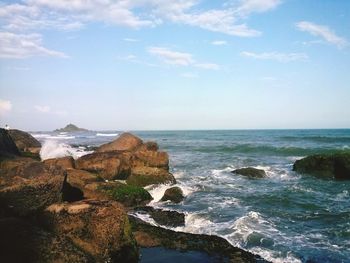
{"type": "Point", "coordinates": [285, 217]}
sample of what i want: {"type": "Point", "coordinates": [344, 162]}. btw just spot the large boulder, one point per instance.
{"type": "Point", "coordinates": [100, 228]}
{"type": "Point", "coordinates": [22, 242]}
{"type": "Point", "coordinates": [65, 162]}
{"type": "Point", "coordinates": [108, 165]}
{"type": "Point", "coordinates": [332, 166]}
{"type": "Point", "coordinates": [148, 146]}
{"type": "Point", "coordinates": [151, 159]}
{"type": "Point", "coordinates": [24, 141]}
{"type": "Point", "coordinates": [125, 142]}
{"type": "Point", "coordinates": [173, 194]}
{"type": "Point", "coordinates": [7, 145]}
{"type": "Point", "coordinates": [250, 172]}
{"type": "Point", "coordinates": [144, 175]}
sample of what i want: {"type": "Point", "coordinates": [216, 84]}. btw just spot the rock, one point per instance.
{"type": "Point", "coordinates": [151, 159]}
{"type": "Point", "coordinates": [250, 172]}
{"type": "Point", "coordinates": [125, 142]}
{"type": "Point", "coordinates": [100, 228]}
{"type": "Point", "coordinates": [28, 186]}
{"type": "Point", "coordinates": [163, 217]}
{"type": "Point", "coordinates": [147, 235]}
{"type": "Point", "coordinates": [7, 145]}
{"type": "Point", "coordinates": [148, 146]}
{"type": "Point", "coordinates": [108, 165]}
{"type": "Point", "coordinates": [71, 128]}
{"type": "Point", "coordinates": [128, 195]}
{"type": "Point", "coordinates": [81, 178]}
{"type": "Point", "coordinates": [332, 166]}
{"type": "Point", "coordinates": [21, 241]}
{"type": "Point", "coordinates": [65, 162]}
{"type": "Point", "coordinates": [143, 176]}
{"type": "Point", "coordinates": [25, 142]}
{"type": "Point", "coordinates": [173, 194]}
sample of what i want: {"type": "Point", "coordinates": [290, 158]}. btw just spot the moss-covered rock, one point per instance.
{"type": "Point", "coordinates": [144, 175]}
{"type": "Point", "coordinates": [331, 166]}
{"type": "Point", "coordinates": [163, 217]}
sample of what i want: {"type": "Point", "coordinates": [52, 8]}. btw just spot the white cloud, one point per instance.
{"type": "Point", "coordinates": [130, 40]}
{"type": "Point", "coordinates": [172, 57]}
{"type": "Point", "coordinates": [5, 106]}
{"type": "Point", "coordinates": [23, 46]}
{"type": "Point", "coordinates": [180, 58]}
{"type": "Point", "coordinates": [247, 7]}
{"type": "Point", "coordinates": [42, 109]}
{"type": "Point", "coordinates": [219, 43]}
{"type": "Point", "coordinates": [322, 31]}
{"type": "Point", "coordinates": [281, 57]}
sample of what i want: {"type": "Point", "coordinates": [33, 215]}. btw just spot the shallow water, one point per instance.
{"type": "Point", "coordinates": [286, 217]}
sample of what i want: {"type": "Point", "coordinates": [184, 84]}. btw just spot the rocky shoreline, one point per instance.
{"type": "Point", "coordinates": [62, 210]}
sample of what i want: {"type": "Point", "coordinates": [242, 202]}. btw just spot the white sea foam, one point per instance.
{"type": "Point", "coordinates": [54, 149]}
{"type": "Point", "coordinates": [157, 191]}
{"type": "Point", "coordinates": [197, 224]}
{"type": "Point", "coordinates": [40, 135]}
{"type": "Point", "coordinates": [107, 134]}
{"type": "Point", "coordinates": [274, 256]}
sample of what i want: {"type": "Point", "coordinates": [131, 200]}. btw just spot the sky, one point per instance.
{"type": "Point", "coordinates": [175, 65]}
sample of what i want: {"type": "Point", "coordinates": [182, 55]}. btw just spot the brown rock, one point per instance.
{"type": "Point", "coordinates": [24, 141]}
{"type": "Point", "coordinates": [143, 176]}
{"type": "Point", "coordinates": [144, 239]}
{"type": "Point", "coordinates": [65, 162]}
{"type": "Point", "coordinates": [125, 142]}
{"type": "Point", "coordinates": [108, 165]}
{"type": "Point", "coordinates": [151, 159]}
{"type": "Point", "coordinates": [173, 194]}
{"type": "Point", "coordinates": [100, 228]}
{"type": "Point", "coordinates": [7, 145]}
{"type": "Point", "coordinates": [148, 146]}
{"type": "Point", "coordinates": [80, 178]}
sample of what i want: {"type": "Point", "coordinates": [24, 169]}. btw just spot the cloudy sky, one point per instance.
{"type": "Point", "coordinates": [180, 64]}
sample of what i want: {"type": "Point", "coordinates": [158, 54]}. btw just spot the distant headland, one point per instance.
{"type": "Point", "coordinates": [71, 128]}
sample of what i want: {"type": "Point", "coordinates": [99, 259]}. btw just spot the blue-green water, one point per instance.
{"type": "Point", "coordinates": [286, 217]}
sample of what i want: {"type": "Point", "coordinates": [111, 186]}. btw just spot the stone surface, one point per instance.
{"type": "Point", "coordinates": [108, 165]}
{"type": "Point", "coordinates": [125, 142]}
{"type": "Point", "coordinates": [143, 176]}
{"type": "Point", "coordinates": [332, 166]}
{"type": "Point", "coordinates": [151, 159]}
{"type": "Point", "coordinates": [7, 145]}
{"type": "Point", "coordinates": [250, 172]}
{"type": "Point", "coordinates": [148, 146]}
{"type": "Point", "coordinates": [147, 235]}
{"type": "Point", "coordinates": [173, 194]}
{"type": "Point", "coordinates": [163, 217]}
{"type": "Point", "coordinates": [100, 228]}
{"type": "Point", "coordinates": [24, 141]}
{"type": "Point", "coordinates": [65, 162]}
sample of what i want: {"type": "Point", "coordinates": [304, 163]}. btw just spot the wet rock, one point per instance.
{"type": "Point", "coordinates": [100, 228]}
{"type": "Point", "coordinates": [25, 142]}
{"type": "Point", "coordinates": [125, 142]}
{"type": "Point", "coordinates": [147, 235]}
{"type": "Point", "coordinates": [143, 176]}
{"type": "Point", "coordinates": [22, 242]}
{"type": "Point", "coordinates": [331, 166]}
{"type": "Point", "coordinates": [108, 165]}
{"type": "Point", "coordinates": [163, 217]}
{"type": "Point", "coordinates": [7, 145]}
{"type": "Point", "coordinates": [65, 162]}
{"type": "Point", "coordinates": [250, 172]}
{"type": "Point", "coordinates": [173, 194]}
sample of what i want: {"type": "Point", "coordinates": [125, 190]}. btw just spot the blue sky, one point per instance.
{"type": "Point", "coordinates": [160, 65]}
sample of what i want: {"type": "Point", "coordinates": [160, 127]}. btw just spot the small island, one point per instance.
{"type": "Point", "coordinates": [71, 128]}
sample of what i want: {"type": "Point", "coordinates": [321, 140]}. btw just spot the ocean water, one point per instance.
{"type": "Point", "coordinates": [286, 217]}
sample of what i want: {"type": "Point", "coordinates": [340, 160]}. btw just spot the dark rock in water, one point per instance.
{"type": "Point", "coordinates": [250, 172]}
{"type": "Point", "coordinates": [125, 142]}
{"type": "Point", "coordinates": [173, 194]}
{"type": "Point", "coordinates": [144, 175]}
{"type": "Point", "coordinates": [147, 235]}
{"type": "Point", "coordinates": [164, 217]}
{"type": "Point", "coordinates": [25, 142]}
{"type": "Point", "coordinates": [333, 166]}
{"type": "Point", "coordinates": [22, 242]}
{"type": "Point", "coordinates": [7, 145]}
{"type": "Point", "coordinates": [100, 228]}
{"type": "Point", "coordinates": [65, 162]}
{"type": "Point", "coordinates": [71, 128]}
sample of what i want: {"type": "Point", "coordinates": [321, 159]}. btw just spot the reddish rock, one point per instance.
{"type": "Point", "coordinates": [148, 146]}
{"type": "Point", "coordinates": [65, 162]}
{"type": "Point", "coordinates": [101, 228]}
{"type": "Point", "coordinates": [151, 159]}
{"type": "Point", "coordinates": [125, 142]}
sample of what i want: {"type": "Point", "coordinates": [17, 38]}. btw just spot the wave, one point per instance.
{"type": "Point", "coordinates": [53, 149]}
{"type": "Point", "coordinates": [268, 150]}
{"type": "Point", "coordinates": [325, 139]}
{"type": "Point", "coordinates": [107, 134]}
